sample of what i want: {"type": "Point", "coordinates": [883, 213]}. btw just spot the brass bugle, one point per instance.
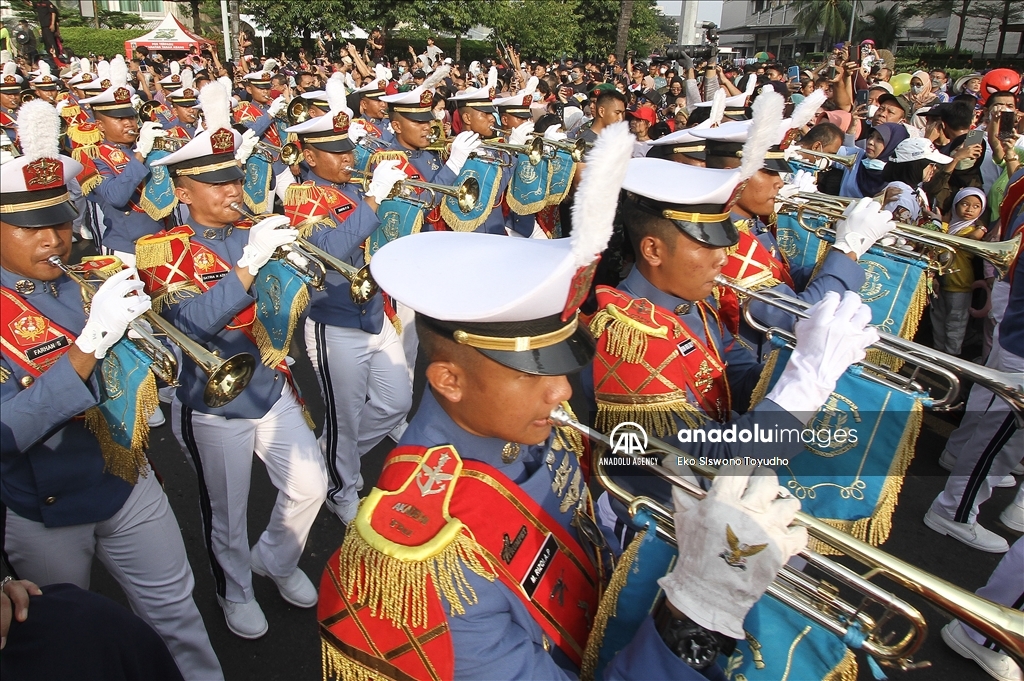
{"type": "Point", "coordinates": [845, 161]}
{"type": "Point", "coordinates": [298, 111]}
{"type": "Point", "coordinates": [147, 108]}
{"type": "Point", "coordinates": [291, 154]}
{"type": "Point", "coordinates": [576, 148]}
{"type": "Point", "coordinates": [1000, 254]}
{"type": "Point", "coordinates": [169, 143]}
{"type": "Point", "coordinates": [533, 150]}
{"type": "Point", "coordinates": [1003, 384]}
{"type": "Point", "coordinates": [227, 378]}
{"type": "Point", "coordinates": [28, 96]}
{"type": "Point", "coordinates": [467, 192]}
{"type": "Point", "coordinates": [817, 601]}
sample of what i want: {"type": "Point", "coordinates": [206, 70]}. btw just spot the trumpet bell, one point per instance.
{"type": "Point", "coordinates": [845, 161]}
{"type": "Point", "coordinates": [291, 154]}
{"type": "Point", "coordinates": [298, 111]}
{"type": "Point", "coordinates": [228, 380]}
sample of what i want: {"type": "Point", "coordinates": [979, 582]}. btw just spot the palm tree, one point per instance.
{"type": "Point", "coordinates": [884, 25]}
{"type": "Point", "coordinates": [823, 16]}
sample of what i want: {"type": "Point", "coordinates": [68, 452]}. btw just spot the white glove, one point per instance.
{"type": "Point", "coordinates": [136, 102]}
{"type": "Point", "coordinates": [836, 335]}
{"type": "Point", "coordinates": [801, 181]}
{"type": "Point", "coordinates": [118, 301]}
{"type": "Point", "coordinates": [356, 131]}
{"type": "Point", "coordinates": [278, 106]}
{"type": "Point", "coordinates": [283, 181]}
{"type": "Point", "coordinates": [732, 544]}
{"type": "Point", "coordinates": [61, 104]}
{"type": "Point", "coordinates": [246, 146]}
{"type": "Point", "coordinates": [864, 224]}
{"type": "Point", "coordinates": [147, 135]}
{"type": "Point", "coordinates": [521, 135]}
{"type": "Point", "coordinates": [555, 134]}
{"type": "Point", "coordinates": [385, 176]}
{"type": "Point", "coordinates": [264, 239]}
{"type": "Point", "coordinates": [464, 144]}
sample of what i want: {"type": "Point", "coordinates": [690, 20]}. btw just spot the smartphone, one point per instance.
{"type": "Point", "coordinates": [862, 97]}
{"type": "Point", "coordinates": [975, 137]}
{"type": "Point", "coordinates": [793, 72]}
{"type": "Point", "coordinates": [1007, 124]}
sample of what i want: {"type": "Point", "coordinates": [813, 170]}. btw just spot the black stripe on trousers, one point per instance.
{"type": "Point", "coordinates": [992, 644]}
{"type": "Point", "coordinates": [331, 418]}
{"type": "Point", "coordinates": [189, 437]}
{"type": "Point", "coordinates": [981, 469]}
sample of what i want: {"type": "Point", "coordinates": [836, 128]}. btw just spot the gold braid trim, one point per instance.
{"type": "Point", "coordinates": [626, 337]}
{"type": "Point", "coordinates": [846, 670]}
{"type": "Point", "coordinates": [270, 355]}
{"type": "Point", "coordinates": [915, 310]}
{"type": "Point", "coordinates": [299, 193]}
{"type": "Point", "coordinates": [127, 464]}
{"type": "Point", "coordinates": [397, 589]}
{"type": "Point", "coordinates": [761, 389]}
{"type": "Point", "coordinates": [337, 667]}
{"type": "Point", "coordinates": [606, 609]}
{"type": "Point", "coordinates": [655, 418]}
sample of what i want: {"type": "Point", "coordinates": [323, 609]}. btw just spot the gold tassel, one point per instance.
{"type": "Point", "coordinates": [90, 184]}
{"type": "Point", "coordinates": [153, 252]}
{"type": "Point", "coordinates": [337, 667]}
{"type": "Point", "coordinates": [270, 355]}
{"type": "Point", "coordinates": [656, 419]}
{"type": "Point", "coordinates": [307, 227]}
{"type": "Point", "coordinates": [308, 418]}
{"type": "Point", "coordinates": [846, 670]}
{"type": "Point", "coordinates": [761, 389]}
{"type": "Point", "coordinates": [297, 194]}
{"type": "Point", "coordinates": [397, 589]}
{"type": "Point", "coordinates": [175, 294]}
{"type": "Point", "coordinates": [127, 464]}
{"type": "Point", "coordinates": [607, 607]}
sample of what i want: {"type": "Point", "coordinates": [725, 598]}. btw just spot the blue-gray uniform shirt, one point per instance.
{"type": "Point", "coordinates": [497, 638]}
{"type": "Point", "coordinates": [260, 127]}
{"type": "Point", "coordinates": [837, 273]}
{"type": "Point", "coordinates": [1011, 329]}
{"type": "Point", "coordinates": [382, 124]}
{"type": "Point", "coordinates": [429, 165]}
{"type": "Point", "coordinates": [742, 373]}
{"type": "Point", "coordinates": [334, 305]}
{"type": "Point", "coordinates": [114, 194]}
{"type": "Point", "coordinates": [205, 317]}
{"type": "Point", "coordinates": [52, 467]}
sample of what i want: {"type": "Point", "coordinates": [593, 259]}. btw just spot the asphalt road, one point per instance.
{"type": "Point", "coordinates": [291, 649]}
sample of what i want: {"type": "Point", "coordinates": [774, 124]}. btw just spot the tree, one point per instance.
{"type": "Point", "coordinates": [883, 25]}
{"type": "Point", "coordinates": [622, 34]}
{"type": "Point", "coordinates": [986, 16]}
{"type": "Point", "coordinates": [541, 28]}
{"type": "Point", "coordinates": [828, 17]}
{"type": "Point", "coordinates": [957, 8]}
{"type": "Point", "coordinates": [649, 29]}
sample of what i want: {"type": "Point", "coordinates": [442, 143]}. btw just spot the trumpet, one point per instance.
{"type": "Point", "coordinates": [576, 148]}
{"type": "Point", "coordinates": [845, 161]}
{"type": "Point", "coordinates": [818, 600]}
{"type": "Point", "coordinates": [297, 111]}
{"type": "Point", "coordinates": [169, 143]}
{"type": "Point", "coordinates": [1003, 384]}
{"type": "Point", "coordinates": [467, 192]}
{"type": "Point", "coordinates": [362, 286]}
{"type": "Point", "coordinates": [28, 96]}
{"type": "Point", "coordinates": [227, 377]}
{"type": "Point", "coordinates": [291, 154]}
{"type": "Point", "coordinates": [147, 109]}
{"type": "Point", "coordinates": [1000, 254]}
{"type": "Point", "coordinates": [502, 151]}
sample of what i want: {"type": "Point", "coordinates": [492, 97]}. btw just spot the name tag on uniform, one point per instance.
{"type": "Point", "coordinates": [540, 565]}
{"type": "Point", "coordinates": [686, 347]}
{"type": "Point", "coordinates": [342, 209]}
{"type": "Point", "coordinates": [46, 348]}
{"type": "Point", "coordinates": [213, 276]}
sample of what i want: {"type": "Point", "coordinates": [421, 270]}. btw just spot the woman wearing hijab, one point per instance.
{"type": "Point", "coordinates": [920, 95]}
{"type": "Point", "coordinates": [865, 178]}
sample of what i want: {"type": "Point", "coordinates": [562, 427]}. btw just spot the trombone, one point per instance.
{"type": "Point", "coordinates": [846, 161]}
{"type": "Point", "coordinates": [467, 192]}
{"type": "Point", "coordinates": [1000, 254]}
{"type": "Point", "coordinates": [818, 600]}
{"type": "Point", "coordinates": [362, 286]}
{"type": "Point", "coordinates": [227, 377]}
{"type": "Point", "coordinates": [1003, 384]}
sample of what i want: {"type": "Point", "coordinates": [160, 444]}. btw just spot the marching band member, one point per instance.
{"type": "Point", "coordinates": [184, 106]}
{"type": "Point", "coordinates": [482, 497]}
{"type": "Point", "coordinates": [189, 270]}
{"type": "Point", "coordinates": [261, 117]}
{"type": "Point", "coordinates": [74, 112]}
{"type": "Point", "coordinates": [120, 160]}
{"type": "Point", "coordinates": [70, 489]}
{"type": "Point", "coordinates": [10, 98]}
{"type": "Point", "coordinates": [44, 84]}
{"type": "Point", "coordinates": [373, 112]}
{"type": "Point", "coordinates": [353, 347]}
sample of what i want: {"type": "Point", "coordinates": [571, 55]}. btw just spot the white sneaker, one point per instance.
{"type": "Point", "coordinates": [1013, 516]}
{"type": "Point", "coordinates": [974, 535]}
{"type": "Point", "coordinates": [244, 619]}
{"type": "Point", "coordinates": [157, 418]}
{"type": "Point", "coordinates": [166, 394]}
{"type": "Point", "coordinates": [947, 460]}
{"type": "Point", "coordinates": [295, 588]}
{"type": "Point", "coordinates": [997, 665]}
{"type": "Point", "coordinates": [1018, 469]}
{"type": "Point", "coordinates": [344, 509]}
{"type": "Point", "coordinates": [398, 431]}
{"type": "Point", "coordinates": [1005, 481]}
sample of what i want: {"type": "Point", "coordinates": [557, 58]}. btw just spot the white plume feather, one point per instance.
{"type": "Point", "coordinates": [226, 83]}
{"type": "Point", "coordinates": [269, 65]}
{"type": "Point", "coordinates": [10, 68]}
{"type": "Point", "coordinates": [751, 84]}
{"type": "Point", "coordinates": [187, 78]}
{"type": "Point", "coordinates": [492, 77]}
{"type": "Point", "coordinates": [381, 72]}
{"type": "Point", "coordinates": [44, 68]}
{"type": "Point", "coordinates": [214, 100]}
{"type": "Point", "coordinates": [531, 86]}
{"type": "Point", "coordinates": [717, 107]}
{"type": "Point", "coordinates": [118, 72]}
{"type": "Point", "coordinates": [336, 91]}
{"type": "Point", "coordinates": [439, 74]}
{"type": "Point", "coordinates": [763, 133]}
{"type": "Point", "coordinates": [593, 212]}
{"type": "Point", "coordinates": [5, 56]}
{"type": "Point", "coordinates": [39, 130]}
{"type": "Point", "coordinates": [175, 68]}
{"type": "Point", "coordinates": [805, 110]}
{"type": "Point", "coordinates": [85, 66]}
{"type": "Point", "coordinates": [103, 70]}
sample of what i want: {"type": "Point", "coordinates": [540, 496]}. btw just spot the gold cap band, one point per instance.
{"type": "Point", "coordinates": [34, 205]}
{"type": "Point", "coordinates": [199, 170]}
{"type": "Point", "coordinates": [694, 217]}
{"type": "Point", "coordinates": [518, 344]}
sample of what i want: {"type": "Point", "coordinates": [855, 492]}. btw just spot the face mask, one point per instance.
{"type": "Point", "coordinates": [873, 163]}
{"type": "Point", "coordinates": [916, 89]}
{"type": "Point", "coordinates": [439, 115]}
{"type": "Point", "coordinates": [936, 85]}
{"type": "Point", "coordinates": [872, 110]}
{"type": "Point", "coordinates": [401, 69]}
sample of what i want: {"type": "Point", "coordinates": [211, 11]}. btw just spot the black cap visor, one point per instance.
{"type": "Point", "coordinates": [715, 233]}
{"type": "Point", "coordinates": [333, 146]}
{"type": "Point", "coordinates": [38, 218]}
{"type": "Point", "coordinates": [420, 115]}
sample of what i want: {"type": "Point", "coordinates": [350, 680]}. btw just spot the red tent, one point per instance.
{"type": "Point", "coordinates": [169, 36]}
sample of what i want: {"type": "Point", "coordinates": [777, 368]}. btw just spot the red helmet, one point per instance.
{"type": "Point", "coordinates": [999, 80]}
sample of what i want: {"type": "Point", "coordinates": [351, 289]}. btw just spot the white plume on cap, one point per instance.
{"type": "Point", "coordinates": [763, 132]}
{"type": "Point", "coordinates": [593, 212]}
{"type": "Point", "coordinates": [214, 100]}
{"type": "Point", "coordinates": [336, 91]}
{"type": "Point", "coordinates": [805, 110]}
{"type": "Point", "coordinates": [118, 72]}
{"type": "Point", "coordinates": [751, 84]}
{"type": "Point", "coordinates": [175, 68]}
{"type": "Point", "coordinates": [187, 78]}
{"type": "Point", "coordinates": [85, 66]}
{"type": "Point", "coordinates": [39, 130]}
{"type": "Point", "coordinates": [717, 108]}
{"type": "Point", "coordinates": [381, 72]}
{"type": "Point", "coordinates": [10, 68]}
{"type": "Point", "coordinates": [269, 65]}
{"type": "Point", "coordinates": [436, 77]}
{"type": "Point", "coordinates": [103, 69]}
{"type": "Point", "coordinates": [5, 56]}
{"type": "Point", "coordinates": [531, 86]}
{"type": "Point", "coordinates": [492, 77]}
{"type": "Point", "coordinates": [44, 68]}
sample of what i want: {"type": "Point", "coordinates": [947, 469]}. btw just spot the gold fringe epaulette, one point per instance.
{"type": "Point", "coordinates": [387, 155]}
{"type": "Point", "coordinates": [85, 134]}
{"type": "Point", "coordinates": [627, 337]}
{"type": "Point", "coordinates": [341, 668]}
{"type": "Point", "coordinates": [127, 464]}
{"type": "Point", "coordinates": [655, 417]}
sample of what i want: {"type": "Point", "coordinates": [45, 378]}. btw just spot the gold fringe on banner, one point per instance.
{"type": "Point", "coordinates": [127, 464]}
{"type": "Point", "coordinates": [459, 224]}
{"type": "Point", "coordinates": [555, 199]}
{"type": "Point", "coordinates": [396, 589]}
{"type": "Point", "coordinates": [155, 212]}
{"type": "Point", "coordinates": [655, 417]}
{"type": "Point", "coordinates": [846, 670]}
{"type": "Point", "coordinates": [915, 310]}
{"type": "Point", "coordinates": [270, 355]}
{"type": "Point", "coordinates": [761, 389]}
{"type": "Point", "coordinates": [606, 609]}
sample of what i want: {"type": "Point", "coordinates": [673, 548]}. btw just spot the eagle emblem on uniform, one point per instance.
{"type": "Point", "coordinates": [738, 552]}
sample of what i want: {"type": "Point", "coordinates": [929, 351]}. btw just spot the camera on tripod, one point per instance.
{"type": "Point", "coordinates": [698, 52]}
